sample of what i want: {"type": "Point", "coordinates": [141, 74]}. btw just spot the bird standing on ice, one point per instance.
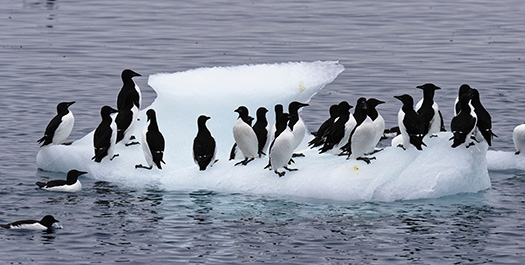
{"type": "Point", "coordinates": [282, 147]}
{"type": "Point", "coordinates": [410, 123]}
{"type": "Point", "coordinates": [45, 224]}
{"type": "Point", "coordinates": [152, 142]}
{"type": "Point", "coordinates": [518, 137]}
{"type": "Point", "coordinates": [362, 137]}
{"type": "Point", "coordinates": [244, 136]}
{"type": "Point", "coordinates": [296, 124]}
{"type": "Point", "coordinates": [128, 86]}
{"type": "Point", "coordinates": [262, 131]}
{"type": "Point", "coordinates": [339, 133]}
{"type": "Point", "coordinates": [484, 121]}
{"type": "Point", "coordinates": [60, 126]}
{"type": "Point", "coordinates": [126, 118]}
{"type": "Point", "coordinates": [105, 136]}
{"type": "Point", "coordinates": [463, 124]}
{"type": "Point", "coordinates": [71, 184]}
{"type": "Point", "coordinates": [203, 145]}
{"type": "Point", "coordinates": [463, 90]}
{"type": "Point", "coordinates": [377, 120]}
{"type": "Point", "coordinates": [428, 110]}
{"type": "Point", "coordinates": [319, 135]}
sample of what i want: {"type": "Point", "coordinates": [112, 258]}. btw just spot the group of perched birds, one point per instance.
{"type": "Point", "coordinates": [113, 128]}
{"type": "Point", "coordinates": [354, 135]}
{"type": "Point", "coordinates": [357, 134]}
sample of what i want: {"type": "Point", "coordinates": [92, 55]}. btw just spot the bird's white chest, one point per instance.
{"type": "Point", "coordinates": [64, 129]}
{"type": "Point", "coordinates": [282, 149]}
{"type": "Point", "coordinates": [245, 138]}
{"type": "Point", "coordinates": [33, 226]}
{"type": "Point", "coordinates": [518, 137]}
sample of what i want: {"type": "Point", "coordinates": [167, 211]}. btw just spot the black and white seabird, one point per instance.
{"type": "Point", "coordinates": [152, 142]}
{"type": "Point", "coordinates": [262, 131]}
{"type": "Point", "coordinates": [362, 137]}
{"type": "Point", "coordinates": [319, 135]}
{"type": "Point", "coordinates": [518, 137]}
{"type": "Point", "coordinates": [338, 134]}
{"type": "Point", "coordinates": [463, 125]}
{"type": "Point", "coordinates": [204, 145]}
{"type": "Point", "coordinates": [282, 147]}
{"type": "Point", "coordinates": [126, 118]}
{"type": "Point", "coordinates": [71, 184]}
{"type": "Point", "coordinates": [45, 224]}
{"type": "Point", "coordinates": [296, 124]}
{"type": "Point", "coordinates": [463, 90]}
{"type": "Point", "coordinates": [428, 110]}
{"type": "Point", "coordinates": [60, 126]}
{"type": "Point", "coordinates": [244, 136]}
{"type": "Point", "coordinates": [128, 86]}
{"type": "Point", "coordinates": [278, 109]}
{"type": "Point", "coordinates": [484, 121]}
{"type": "Point", "coordinates": [410, 123]}
{"type": "Point", "coordinates": [377, 120]}
{"type": "Point", "coordinates": [105, 136]}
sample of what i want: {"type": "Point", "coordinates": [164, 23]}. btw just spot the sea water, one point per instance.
{"type": "Point", "coordinates": [56, 51]}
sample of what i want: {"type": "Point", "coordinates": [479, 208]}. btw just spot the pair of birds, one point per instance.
{"type": "Point", "coordinates": [472, 122]}
{"type": "Point", "coordinates": [354, 135]}
{"type": "Point", "coordinates": [424, 120]}
{"type": "Point", "coordinates": [71, 184]}
{"type": "Point", "coordinates": [284, 137]}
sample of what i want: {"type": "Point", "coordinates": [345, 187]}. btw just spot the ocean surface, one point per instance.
{"type": "Point", "coordinates": [53, 51]}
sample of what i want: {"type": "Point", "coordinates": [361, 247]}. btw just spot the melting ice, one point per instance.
{"type": "Point", "coordinates": [395, 174]}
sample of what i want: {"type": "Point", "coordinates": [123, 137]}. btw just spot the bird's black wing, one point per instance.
{"type": "Point", "coordinates": [156, 144]}
{"type": "Point", "coordinates": [50, 131]}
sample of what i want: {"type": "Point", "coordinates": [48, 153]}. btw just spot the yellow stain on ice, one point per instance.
{"type": "Point", "coordinates": [301, 87]}
{"type": "Point", "coordinates": [356, 168]}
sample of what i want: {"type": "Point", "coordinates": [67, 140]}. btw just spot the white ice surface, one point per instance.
{"type": "Point", "coordinates": [438, 170]}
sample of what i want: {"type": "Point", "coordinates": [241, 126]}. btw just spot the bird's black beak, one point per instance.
{"type": "Point", "coordinates": [70, 103]}
{"type": "Point", "coordinates": [82, 173]}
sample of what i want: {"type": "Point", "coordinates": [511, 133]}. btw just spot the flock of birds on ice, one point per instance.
{"type": "Point", "coordinates": [354, 135]}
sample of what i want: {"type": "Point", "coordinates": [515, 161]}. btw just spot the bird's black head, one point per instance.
{"type": "Point", "coordinates": [128, 74]}
{"type": "Point", "coordinates": [202, 119]}
{"type": "Point", "coordinates": [334, 110]}
{"type": "Point", "coordinates": [344, 107]}
{"type": "Point", "coordinates": [107, 111]}
{"type": "Point", "coordinates": [294, 106]}
{"type": "Point", "coordinates": [373, 102]}
{"type": "Point", "coordinates": [62, 106]}
{"type": "Point", "coordinates": [474, 94]}
{"type": "Point", "coordinates": [151, 114]}
{"type": "Point", "coordinates": [406, 99]}
{"type": "Point", "coordinates": [464, 89]}
{"type": "Point", "coordinates": [261, 112]}
{"type": "Point", "coordinates": [242, 110]}
{"type": "Point", "coordinates": [428, 86]}
{"type": "Point", "coordinates": [48, 221]}
{"type": "Point", "coordinates": [73, 175]}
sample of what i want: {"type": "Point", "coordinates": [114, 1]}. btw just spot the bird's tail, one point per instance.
{"type": "Point", "coordinates": [41, 184]}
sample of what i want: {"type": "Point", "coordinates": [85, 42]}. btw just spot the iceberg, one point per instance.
{"type": "Point", "coordinates": [505, 161]}
{"type": "Point", "coordinates": [395, 174]}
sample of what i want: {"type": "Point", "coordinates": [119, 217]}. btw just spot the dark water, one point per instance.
{"type": "Point", "coordinates": [52, 51]}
